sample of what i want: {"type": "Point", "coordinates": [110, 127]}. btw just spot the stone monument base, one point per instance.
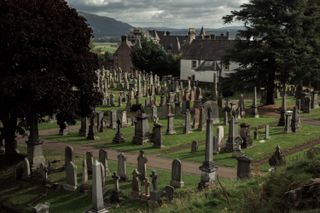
{"type": "Point", "coordinates": [177, 184]}
{"type": "Point", "coordinates": [97, 211]}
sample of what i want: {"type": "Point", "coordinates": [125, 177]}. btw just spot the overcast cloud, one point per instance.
{"type": "Point", "coordinates": [162, 13]}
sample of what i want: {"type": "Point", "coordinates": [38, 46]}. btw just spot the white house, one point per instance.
{"type": "Point", "coordinates": [202, 58]}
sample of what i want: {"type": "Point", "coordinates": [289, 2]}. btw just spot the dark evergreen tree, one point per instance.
{"type": "Point", "coordinates": [45, 64]}
{"type": "Point", "coordinates": [273, 46]}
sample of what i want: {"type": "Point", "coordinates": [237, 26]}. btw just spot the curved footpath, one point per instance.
{"type": "Point", "coordinates": [153, 160]}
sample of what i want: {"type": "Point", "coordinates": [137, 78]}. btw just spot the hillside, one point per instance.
{"type": "Point", "coordinates": [106, 27]}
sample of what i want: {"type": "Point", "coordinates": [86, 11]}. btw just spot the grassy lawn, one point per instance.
{"type": "Point", "coordinates": [102, 47]}
{"type": "Point", "coordinates": [258, 150]}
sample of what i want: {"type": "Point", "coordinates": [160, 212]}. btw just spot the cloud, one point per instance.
{"type": "Point", "coordinates": [162, 13]}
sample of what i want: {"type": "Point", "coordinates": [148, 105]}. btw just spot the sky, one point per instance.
{"type": "Point", "coordinates": [162, 13]}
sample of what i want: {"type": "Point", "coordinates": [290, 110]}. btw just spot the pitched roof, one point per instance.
{"type": "Point", "coordinates": [170, 43]}
{"type": "Point", "coordinates": [207, 49]}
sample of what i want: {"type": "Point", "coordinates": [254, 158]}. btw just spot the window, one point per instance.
{"type": "Point", "coordinates": [227, 66]}
{"type": "Point", "coordinates": [194, 64]}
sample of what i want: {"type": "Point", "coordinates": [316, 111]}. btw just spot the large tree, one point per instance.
{"type": "Point", "coordinates": [152, 57]}
{"type": "Point", "coordinates": [45, 65]}
{"type": "Point", "coordinates": [273, 45]}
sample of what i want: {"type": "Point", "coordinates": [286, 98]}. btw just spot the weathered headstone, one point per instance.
{"type": "Point", "coordinates": [176, 174]}
{"type": "Point", "coordinates": [208, 169]}
{"type": "Point", "coordinates": [187, 123]}
{"type": "Point", "coordinates": [170, 126]}
{"type": "Point", "coordinates": [68, 155]}
{"type": "Point", "coordinates": [157, 136]}
{"type": "Point", "coordinates": [169, 191]}
{"type": "Point", "coordinates": [255, 104]}
{"type": "Point", "coordinates": [141, 134]}
{"type": "Point", "coordinates": [277, 159]}
{"type": "Point", "coordinates": [89, 158]}
{"type": "Point", "coordinates": [103, 159]}
{"type": "Point", "coordinates": [155, 193]}
{"type": "Point", "coordinates": [135, 185]}
{"type": "Point", "coordinates": [194, 147]}
{"type": "Point", "coordinates": [142, 165]}
{"type": "Point", "coordinates": [84, 185]}
{"type": "Point", "coordinates": [243, 167]}
{"type": "Point", "coordinates": [287, 126]}
{"type": "Point", "coordinates": [232, 135]}
{"type": "Point", "coordinates": [122, 167]}
{"type": "Point", "coordinates": [71, 176]}
{"type": "Point", "coordinates": [97, 190]}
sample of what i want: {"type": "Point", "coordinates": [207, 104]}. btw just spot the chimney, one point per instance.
{"type": "Point", "coordinates": [191, 35]}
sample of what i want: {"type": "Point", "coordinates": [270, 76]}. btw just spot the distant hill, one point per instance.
{"type": "Point", "coordinates": [106, 27]}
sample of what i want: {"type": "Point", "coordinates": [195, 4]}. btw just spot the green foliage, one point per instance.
{"type": "Point", "coordinates": [153, 58]}
{"type": "Point", "coordinates": [279, 42]}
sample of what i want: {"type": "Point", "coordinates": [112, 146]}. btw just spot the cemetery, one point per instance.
{"type": "Point", "coordinates": [78, 137]}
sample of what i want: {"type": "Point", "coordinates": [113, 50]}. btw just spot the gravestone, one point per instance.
{"type": "Point", "coordinates": [90, 135]}
{"type": "Point", "coordinates": [220, 135]}
{"type": "Point", "coordinates": [283, 110]}
{"type": "Point", "coordinates": [214, 108]}
{"type": "Point", "coordinates": [237, 147]}
{"type": "Point", "coordinates": [196, 118]}
{"type": "Point", "coordinates": [118, 138]}
{"type": "Point", "coordinates": [146, 184]}
{"type": "Point", "coordinates": [231, 136]}
{"type": "Point", "coordinates": [169, 191]}
{"type": "Point", "coordinates": [84, 127]}
{"type": "Point", "coordinates": [89, 158]}
{"type": "Point", "coordinates": [155, 193]}
{"type": "Point", "coordinates": [71, 176]}
{"type": "Point", "coordinates": [84, 185]}
{"type": "Point", "coordinates": [103, 175]}
{"type": "Point", "coordinates": [142, 165]}
{"type": "Point", "coordinates": [187, 123]}
{"type": "Point", "coordinates": [208, 169]}
{"type": "Point", "coordinates": [157, 136]}
{"type": "Point", "coordinates": [97, 190]}
{"type": "Point", "coordinates": [255, 104]}
{"type": "Point", "coordinates": [194, 147]}
{"type": "Point", "coordinates": [100, 121]}
{"type": "Point", "coordinates": [215, 146]}
{"type": "Point", "coordinates": [241, 106]}
{"type": "Point", "coordinates": [113, 119]}
{"type": "Point", "coordinates": [141, 135]}
{"type": "Point", "coordinates": [267, 132]}
{"type": "Point", "coordinates": [243, 167]}
{"type": "Point", "coordinates": [277, 159]}
{"type": "Point", "coordinates": [23, 170]}
{"type": "Point", "coordinates": [124, 119]}
{"type": "Point", "coordinates": [68, 155]}
{"type": "Point", "coordinates": [287, 126]}
{"type": "Point", "coordinates": [245, 135]}
{"type": "Point", "coordinates": [295, 122]}
{"type": "Point", "coordinates": [202, 119]}
{"type": "Point", "coordinates": [122, 167]}
{"type": "Point", "coordinates": [103, 159]}
{"type": "Point", "coordinates": [135, 185]}
{"type": "Point", "coordinates": [170, 126]}
{"type": "Point", "coordinates": [116, 193]}
{"type": "Point", "coordinates": [176, 174]}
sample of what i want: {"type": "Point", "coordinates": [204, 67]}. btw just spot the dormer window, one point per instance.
{"type": "Point", "coordinates": [194, 64]}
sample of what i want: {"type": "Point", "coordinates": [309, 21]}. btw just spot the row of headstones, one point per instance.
{"type": "Point", "coordinates": [139, 175]}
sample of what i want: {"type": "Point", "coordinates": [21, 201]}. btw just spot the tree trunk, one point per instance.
{"type": "Point", "coordinates": [34, 131]}
{"type": "Point", "coordinates": [9, 131]}
{"type": "Point", "coordinates": [270, 88]}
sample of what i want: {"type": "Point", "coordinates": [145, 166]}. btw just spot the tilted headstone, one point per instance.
{"type": "Point", "coordinates": [176, 174]}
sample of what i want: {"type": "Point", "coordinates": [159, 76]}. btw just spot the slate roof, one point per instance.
{"type": "Point", "coordinates": [207, 49]}
{"type": "Point", "coordinates": [170, 43]}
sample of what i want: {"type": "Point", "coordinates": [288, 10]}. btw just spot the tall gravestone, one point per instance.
{"type": "Point", "coordinates": [243, 167]}
{"type": "Point", "coordinates": [97, 190]}
{"type": "Point", "coordinates": [176, 174]}
{"type": "Point", "coordinates": [68, 155]}
{"type": "Point", "coordinates": [89, 158]}
{"type": "Point", "coordinates": [141, 135]}
{"type": "Point", "coordinates": [122, 167]}
{"type": "Point", "coordinates": [103, 159]}
{"type": "Point", "coordinates": [255, 104]}
{"type": "Point", "coordinates": [157, 136]}
{"type": "Point", "coordinates": [170, 126]}
{"type": "Point", "coordinates": [142, 165]}
{"type": "Point", "coordinates": [232, 135]}
{"type": "Point", "coordinates": [208, 169]}
{"type": "Point", "coordinates": [187, 124]}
